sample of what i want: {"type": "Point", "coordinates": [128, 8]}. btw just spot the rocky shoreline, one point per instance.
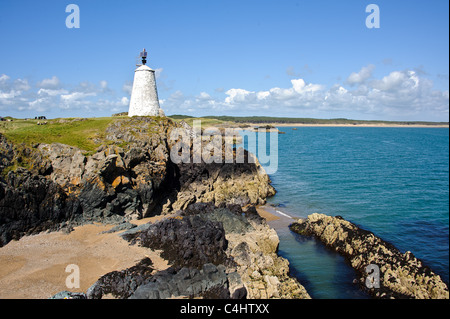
{"type": "Point", "coordinates": [216, 243]}
{"type": "Point", "coordinates": [215, 252]}
{"type": "Point", "coordinates": [130, 176]}
{"type": "Point", "coordinates": [400, 275]}
{"type": "Point", "coordinates": [210, 233]}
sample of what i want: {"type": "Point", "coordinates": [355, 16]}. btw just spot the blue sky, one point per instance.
{"type": "Point", "coordinates": [275, 58]}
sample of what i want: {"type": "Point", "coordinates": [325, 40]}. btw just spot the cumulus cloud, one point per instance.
{"type": "Point", "coordinates": [4, 78]}
{"type": "Point", "coordinates": [49, 95]}
{"type": "Point", "coordinates": [52, 83]}
{"type": "Point", "coordinates": [104, 84]}
{"type": "Point", "coordinates": [400, 94]}
{"type": "Point", "coordinates": [127, 87]}
{"type": "Point", "coordinates": [361, 76]}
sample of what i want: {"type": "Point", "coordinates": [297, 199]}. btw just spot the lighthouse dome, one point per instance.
{"type": "Point", "coordinates": [144, 68]}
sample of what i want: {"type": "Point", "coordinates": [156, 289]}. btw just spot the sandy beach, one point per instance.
{"type": "Point", "coordinates": [262, 211]}
{"type": "Point", "coordinates": [34, 266]}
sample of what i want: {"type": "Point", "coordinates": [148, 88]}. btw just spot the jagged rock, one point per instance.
{"type": "Point", "coordinates": [136, 179]}
{"type": "Point", "coordinates": [132, 176]}
{"type": "Point", "coordinates": [210, 281]}
{"type": "Point", "coordinates": [252, 245]}
{"type": "Point", "coordinates": [189, 241]}
{"type": "Point", "coordinates": [401, 275]}
{"type": "Point", "coordinates": [122, 284]}
{"type": "Point", "coordinates": [31, 204]}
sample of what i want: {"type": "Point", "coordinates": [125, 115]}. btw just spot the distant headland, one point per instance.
{"type": "Point", "coordinates": [296, 121]}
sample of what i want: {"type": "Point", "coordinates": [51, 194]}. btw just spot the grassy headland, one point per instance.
{"type": "Point", "coordinates": [78, 132]}
{"type": "Point", "coordinates": [88, 133]}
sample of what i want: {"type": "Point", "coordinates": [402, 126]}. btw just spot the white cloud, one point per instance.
{"type": "Point", "coordinates": [400, 94]}
{"type": "Point", "coordinates": [76, 96]}
{"type": "Point", "coordinates": [104, 84]}
{"type": "Point", "coordinates": [124, 101]}
{"type": "Point", "coordinates": [51, 92]}
{"type": "Point", "coordinates": [127, 87]}
{"type": "Point", "coordinates": [4, 78]}
{"type": "Point", "coordinates": [237, 96]}
{"type": "Point", "coordinates": [301, 87]}
{"type": "Point", "coordinates": [262, 95]}
{"type": "Point", "coordinates": [10, 95]}
{"type": "Point", "coordinates": [361, 76]}
{"type": "Point", "coordinates": [158, 72]}
{"type": "Point", "coordinates": [52, 83]}
{"type": "Point", "coordinates": [204, 96]}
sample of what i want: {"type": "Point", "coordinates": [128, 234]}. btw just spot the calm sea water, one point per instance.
{"type": "Point", "coordinates": [391, 181]}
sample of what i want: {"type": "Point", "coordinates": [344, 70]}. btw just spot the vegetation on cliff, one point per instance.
{"type": "Point", "coordinates": [113, 169]}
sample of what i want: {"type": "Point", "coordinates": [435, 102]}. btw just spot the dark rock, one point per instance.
{"type": "Point", "coordinates": [120, 227]}
{"type": "Point", "coordinates": [211, 282]}
{"type": "Point", "coordinates": [122, 284]}
{"type": "Point", "coordinates": [31, 204]}
{"type": "Point", "coordinates": [188, 240]}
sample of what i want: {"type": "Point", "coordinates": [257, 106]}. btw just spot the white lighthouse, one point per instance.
{"type": "Point", "coordinates": [144, 96]}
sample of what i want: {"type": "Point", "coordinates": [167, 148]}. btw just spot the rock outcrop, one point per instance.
{"type": "Point", "coordinates": [31, 203]}
{"type": "Point", "coordinates": [401, 274]}
{"type": "Point", "coordinates": [214, 252]}
{"type": "Point", "coordinates": [130, 176]}
{"type": "Point", "coordinates": [216, 248]}
{"type": "Point", "coordinates": [184, 240]}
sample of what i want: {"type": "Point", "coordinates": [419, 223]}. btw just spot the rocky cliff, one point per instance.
{"type": "Point", "coordinates": [216, 239]}
{"type": "Point", "coordinates": [401, 275]}
{"type": "Point", "coordinates": [129, 176]}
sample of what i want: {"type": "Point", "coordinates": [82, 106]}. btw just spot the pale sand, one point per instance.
{"type": "Point", "coordinates": [265, 214]}
{"type": "Point", "coordinates": [34, 267]}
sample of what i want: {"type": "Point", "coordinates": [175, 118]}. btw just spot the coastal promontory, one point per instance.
{"type": "Point", "coordinates": [118, 171]}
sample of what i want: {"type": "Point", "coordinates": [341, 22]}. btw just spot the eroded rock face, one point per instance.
{"type": "Point", "coordinates": [214, 252]}
{"type": "Point", "coordinates": [401, 274]}
{"type": "Point", "coordinates": [185, 241]}
{"type": "Point", "coordinates": [231, 252]}
{"type": "Point", "coordinates": [30, 204]}
{"type": "Point", "coordinates": [131, 175]}
{"type": "Point", "coordinates": [264, 273]}
{"type": "Point", "coordinates": [252, 246]}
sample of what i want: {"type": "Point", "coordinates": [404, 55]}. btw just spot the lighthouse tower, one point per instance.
{"type": "Point", "coordinates": [144, 96]}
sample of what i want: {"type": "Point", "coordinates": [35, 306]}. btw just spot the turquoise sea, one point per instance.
{"type": "Point", "coordinates": [391, 181]}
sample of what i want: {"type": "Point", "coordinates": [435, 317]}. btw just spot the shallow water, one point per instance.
{"type": "Point", "coordinates": [391, 181]}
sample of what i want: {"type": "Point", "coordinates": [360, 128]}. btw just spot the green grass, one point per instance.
{"type": "Point", "coordinates": [205, 122]}
{"type": "Point", "coordinates": [80, 134]}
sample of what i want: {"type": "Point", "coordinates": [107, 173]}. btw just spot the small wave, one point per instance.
{"type": "Point", "coordinates": [283, 214]}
